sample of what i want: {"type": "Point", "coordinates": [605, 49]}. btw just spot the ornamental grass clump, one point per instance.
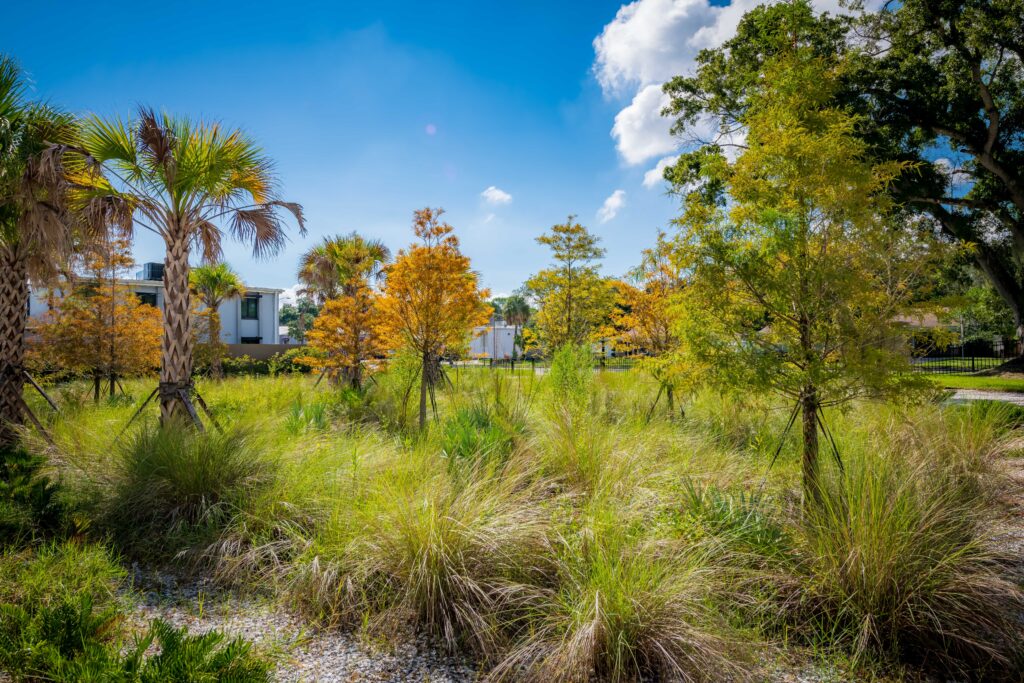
{"type": "Point", "coordinates": [627, 605]}
{"type": "Point", "coordinates": [898, 560]}
{"type": "Point", "coordinates": [174, 486]}
{"type": "Point", "coordinates": [420, 549]}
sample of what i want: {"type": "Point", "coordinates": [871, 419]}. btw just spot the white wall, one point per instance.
{"type": "Point", "coordinates": [496, 342]}
{"type": "Point", "coordinates": [233, 328]}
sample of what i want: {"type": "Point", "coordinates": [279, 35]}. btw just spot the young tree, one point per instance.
{"type": "Point", "coordinates": [647, 316]}
{"type": "Point", "coordinates": [213, 285]}
{"type": "Point", "coordinates": [100, 328]}
{"type": "Point", "coordinates": [186, 181]}
{"type": "Point", "coordinates": [574, 299]}
{"type": "Point", "coordinates": [431, 300]}
{"type": "Point", "coordinates": [797, 273]}
{"type": "Point", "coordinates": [940, 84]}
{"type": "Point", "coordinates": [341, 271]}
{"type": "Point", "coordinates": [346, 333]}
{"type": "Point", "coordinates": [37, 231]}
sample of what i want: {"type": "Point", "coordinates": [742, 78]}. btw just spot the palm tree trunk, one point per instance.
{"type": "Point", "coordinates": [176, 347]}
{"type": "Point", "coordinates": [13, 319]}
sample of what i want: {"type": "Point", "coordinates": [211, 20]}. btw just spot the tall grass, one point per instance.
{"type": "Point", "coordinates": [546, 525]}
{"type": "Point", "coordinates": [179, 485]}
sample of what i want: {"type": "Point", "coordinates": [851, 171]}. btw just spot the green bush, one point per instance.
{"type": "Point", "coordinates": [175, 485]}
{"type": "Point", "coordinates": [30, 503]}
{"type": "Point", "coordinates": [475, 434]}
{"type": "Point", "coordinates": [62, 618]}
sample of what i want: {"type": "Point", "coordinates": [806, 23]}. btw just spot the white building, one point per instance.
{"type": "Point", "coordinates": [250, 319]}
{"type": "Point", "coordinates": [495, 340]}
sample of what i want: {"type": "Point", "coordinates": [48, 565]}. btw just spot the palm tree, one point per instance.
{"type": "Point", "coordinates": [37, 231]}
{"type": "Point", "coordinates": [187, 181]}
{"type": "Point", "coordinates": [517, 312]}
{"type": "Point", "coordinates": [214, 284]}
{"type": "Point", "coordinates": [338, 264]}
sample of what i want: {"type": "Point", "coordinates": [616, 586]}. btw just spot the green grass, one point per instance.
{"type": "Point", "coordinates": [555, 527]}
{"type": "Point", "coordinates": [983, 383]}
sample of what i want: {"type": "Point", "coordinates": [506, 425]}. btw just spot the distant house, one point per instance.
{"type": "Point", "coordinates": [495, 340]}
{"type": "Point", "coordinates": [250, 319]}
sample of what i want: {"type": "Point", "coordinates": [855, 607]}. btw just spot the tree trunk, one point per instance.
{"type": "Point", "coordinates": [811, 482]}
{"type": "Point", "coordinates": [216, 361]}
{"type": "Point", "coordinates": [97, 379]}
{"type": "Point", "coordinates": [176, 346]}
{"type": "Point", "coordinates": [13, 319]}
{"type": "Point", "coordinates": [113, 385]}
{"type": "Point", "coordinates": [424, 381]}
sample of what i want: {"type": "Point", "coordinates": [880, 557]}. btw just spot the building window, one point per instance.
{"type": "Point", "coordinates": [148, 298]}
{"type": "Point", "coordinates": [251, 340]}
{"type": "Point", "coordinates": [250, 308]}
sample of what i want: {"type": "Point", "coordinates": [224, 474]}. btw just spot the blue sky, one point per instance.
{"type": "Point", "coordinates": [372, 110]}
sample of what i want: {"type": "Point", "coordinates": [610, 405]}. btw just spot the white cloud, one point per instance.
{"type": "Point", "coordinates": [656, 175]}
{"type": "Point", "coordinates": [494, 195]}
{"type": "Point", "coordinates": [488, 218]}
{"type": "Point", "coordinates": [612, 205]}
{"type": "Point", "coordinates": [640, 131]}
{"type": "Point", "coordinates": [290, 295]}
{"type": "Point", "coordinates": [650, 41]}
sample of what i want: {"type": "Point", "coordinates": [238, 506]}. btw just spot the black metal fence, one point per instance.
{"type": "Point", "coordinates": [600, 362]}
{"type": "Point", "coordinates": [972, 356]}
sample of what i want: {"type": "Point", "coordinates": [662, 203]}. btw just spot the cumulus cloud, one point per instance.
{"type": "Point", "coordinates": [640, 131]}
{"type": "Point", "coordinates": [290, 295]}
{"type": "Point", "coordinates": [650, 41]}
{"type": "Point", "coordinates": [656, 175]}
{"type": "Point", "coordinates": [612, 205]}
{"type": "Point", "coordinates": [494, 195]}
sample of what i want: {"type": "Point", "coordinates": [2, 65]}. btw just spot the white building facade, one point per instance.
{"type": "Point", "coordinates": [494, 341]}
{"type": "Point", "coordinates": [253, 318]}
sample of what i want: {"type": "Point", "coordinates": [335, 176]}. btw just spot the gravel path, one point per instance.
{"type": "Point", "coordinates": [302, 654]}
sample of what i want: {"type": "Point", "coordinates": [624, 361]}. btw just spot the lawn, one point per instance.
{"type": "Point", "coordinates": [980, 382]}
{"type": "Point", "coordinates": [551, 526]}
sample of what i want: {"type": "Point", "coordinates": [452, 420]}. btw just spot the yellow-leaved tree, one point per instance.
{"type": "Point", "coordinates": [575, 301]}
{"type": "Point", "coordinates": [797, 269]}
{"type": "Point", "coordinates": [431, 300]}
{"type": "Point", "coordinates": [647, 317]}
{"type": "Point", "coordinates": [99, 328]}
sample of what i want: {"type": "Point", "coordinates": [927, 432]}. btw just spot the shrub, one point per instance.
{"type": "Point", "coordinates": [61, 619]}
{"type": "Point", "coordinates": [475, 434]}
{"type": "Point", "coordinates": [30, 504]}
{"type": "Point", "coordinates": [897, 566]}
{"type": "Point", "coordinates": [174, 484]}
{"type": "Point", "coordinates": [570, 379]}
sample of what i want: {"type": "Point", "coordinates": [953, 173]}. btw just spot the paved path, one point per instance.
{"type": "Point", "coordinates": [1015, 397]}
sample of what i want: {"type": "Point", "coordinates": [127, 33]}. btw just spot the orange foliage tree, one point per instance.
{"type": "Point", "coordinates": [431, 300]}
{"type": "Point", "coordinates": [346, 333]}
{"type": "Point", "coordinates": [99, 328]}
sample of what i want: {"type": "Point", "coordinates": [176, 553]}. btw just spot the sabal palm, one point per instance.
{"type": "Point", "coordinates": [336, 265]}
{"type": "Point", "coordinates": [189, 182]}
{"type": "Point", "coordinates": [37, 232]}
{"type": "Point", "coordinates": [516, 311]}
{"type": "Point", "coordinates": [214, 284]}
